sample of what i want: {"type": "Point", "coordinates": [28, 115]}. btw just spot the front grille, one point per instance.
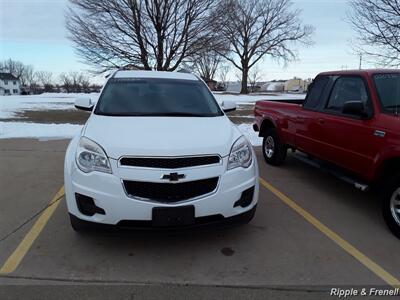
{"type": "Point", "coordinates": [170, 192]}
{"type": "Point", "coordinates": [169, 163]}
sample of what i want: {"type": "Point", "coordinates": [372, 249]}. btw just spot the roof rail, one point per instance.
{"type": "Point", "coordinates": [115, 72]}
{"type": "Point", "coordinates": [111, 74]}
{"type": "Point", "coordinates": [130, 67]}
{"type": "Point", "coordinates": [186, 71]}
{"type": "Point", "coordinates": [183, 70]}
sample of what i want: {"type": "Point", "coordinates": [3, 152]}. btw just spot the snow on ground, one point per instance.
{"type": "Point", "coordinates": [250, 134]}
{"type": "Point", "coordinates": [38, 130]}
{"type": "Point", "coordinates": [10, 105]}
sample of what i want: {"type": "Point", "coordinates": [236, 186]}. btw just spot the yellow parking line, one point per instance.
{"type": "Point", "coordinates": [16, 257]}
{"type": "Point", "coordinates": [362, 258]}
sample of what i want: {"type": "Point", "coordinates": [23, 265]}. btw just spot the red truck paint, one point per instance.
{"type": "Point", "coordinates": [361, 146]}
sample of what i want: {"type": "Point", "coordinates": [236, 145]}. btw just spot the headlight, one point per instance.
{"type": "Point", "coordinates": [240, 155]}
{"type": "Point", "coordinates": [91, 157]}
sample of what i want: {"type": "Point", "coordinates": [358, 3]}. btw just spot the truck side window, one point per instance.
{"type": "Point", "coordinates": [347, 89]}
{"type": "Point", "coordinates": [315, 94]}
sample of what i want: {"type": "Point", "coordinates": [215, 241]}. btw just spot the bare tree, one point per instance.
{"type": "Point", "coordinates": [223, 75]}
{"type": "Point", "coordinates": [254, 76]}
{"type": "Point", "coordinates": [28, 77]}
{"type": "Point", "coordinates": [256, 28]}
{"type": "Point", "coordinates": [206, 64]}
{"type": "Point", "coordinates": [66, 82]}
{"type": "Point", "coordinates": [84, 83]}
{"type": "Point", "coordinates": [25, 73]}
{"type": "Point", "coordinates": [14, 67]}
{"type": "Point", "coordinates": [75, 82]}
{"type": "Point", "coordinates": [95, 88]}
{"type": "Point", "coordinates": [377, 24]}
{"type": "Point", "coordinates": [145, 34]}
{"type": "Point", "coordinates": [45, 78]}
{"type": "Point", "coordinates": [32, 81]}
{"type": "Point", "coordinates": [75, 78]}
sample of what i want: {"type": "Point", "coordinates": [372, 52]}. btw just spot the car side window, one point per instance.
{"type": "Point", "coordinates": [314, 96]}
{"type": "Point", "coordinates": [348, 88]}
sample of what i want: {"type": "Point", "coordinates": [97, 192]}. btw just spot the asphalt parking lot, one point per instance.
{"type": "Point", "coordinates": [311, 232]}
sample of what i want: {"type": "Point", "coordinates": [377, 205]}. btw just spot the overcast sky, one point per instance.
{"type": "Point", "coordinates": [33, 32]}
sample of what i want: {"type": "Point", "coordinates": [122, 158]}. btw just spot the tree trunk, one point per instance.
{"type": "Point", "coordinates": [160, 48]}
{"type": "Point", "coordinates": [245, 76]}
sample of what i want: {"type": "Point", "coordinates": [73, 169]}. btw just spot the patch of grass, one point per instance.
{"type": "Point", "coordinates": [50, 116]}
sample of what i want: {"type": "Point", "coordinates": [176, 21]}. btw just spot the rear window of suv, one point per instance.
{"type": "Point", "coordinates": [157, 97]}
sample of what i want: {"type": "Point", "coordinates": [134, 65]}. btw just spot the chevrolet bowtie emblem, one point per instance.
{"type": "Point", "coordinates": [173, 176]}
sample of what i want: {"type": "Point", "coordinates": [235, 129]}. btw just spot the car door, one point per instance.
{"type": "Point", "coordinates": [348, 140]}
{"type": "Point", "coordinates": [309, 131]}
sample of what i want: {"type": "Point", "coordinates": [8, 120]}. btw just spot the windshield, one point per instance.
{"type": "Point", "coordinates": [157, 97]}
{"type": "Point", "coordinates": [388, 87]}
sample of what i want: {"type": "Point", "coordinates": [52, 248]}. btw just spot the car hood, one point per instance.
{"type": "Point", "coordinates": [162, 136]}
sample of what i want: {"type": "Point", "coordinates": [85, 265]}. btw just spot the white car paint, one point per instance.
{"type": "Point", "coordinates": [158, 137]}
{"type": "Point", "coordinates": [162, 136]}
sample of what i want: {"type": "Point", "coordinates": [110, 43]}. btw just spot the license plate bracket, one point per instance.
{"type": "Point", "coordinates": [173, 216]}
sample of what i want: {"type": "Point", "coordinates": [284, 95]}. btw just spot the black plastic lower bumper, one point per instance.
{"type": "Point", "coordinates": [200, 222]}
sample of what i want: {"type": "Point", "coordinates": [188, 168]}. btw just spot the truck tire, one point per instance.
{"type": "Point", "coordinates": [273, 150]}
{"type": "Point", "coordinates": [391, 204]}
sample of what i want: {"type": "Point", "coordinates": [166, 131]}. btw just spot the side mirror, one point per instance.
{"type": "Point", "coordinates": [354, 108]}
{"type": "Point", "coordinates": [228, 106]}
{"type": "Point", "coordinates": [84, 103]}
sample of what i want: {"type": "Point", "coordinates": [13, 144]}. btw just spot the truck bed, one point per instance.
{"type": "Point", "coordinates": [291, 101]}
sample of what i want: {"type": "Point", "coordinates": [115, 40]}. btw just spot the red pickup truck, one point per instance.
{"type": "Point", "coordinates": [349, 123]}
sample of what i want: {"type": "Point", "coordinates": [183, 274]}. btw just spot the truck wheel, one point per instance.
{"type": "Point", "coordinates": [273, 150]}
{"type": "Point", "coordinates": [391, 205]}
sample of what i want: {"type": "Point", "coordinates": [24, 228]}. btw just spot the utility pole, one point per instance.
{"type": "Point", "coordinates": [360, 66]}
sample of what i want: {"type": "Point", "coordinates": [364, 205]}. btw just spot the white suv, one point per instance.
{"type": "Point", "coordinates": [157, 151]}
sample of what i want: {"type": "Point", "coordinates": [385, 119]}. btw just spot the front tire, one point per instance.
{"type": "Point", "coordinates": [391, 205]}
{"type": "Point", "coordinates": [273, 150]}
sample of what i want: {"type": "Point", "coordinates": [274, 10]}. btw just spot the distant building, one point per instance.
{"type": "Point", "coordinates": [254, 88]}
{"type": "Point", "coordinates": [236, 87]}
{"type": "Point", "coordinates": [277, 86]}
{"type": "Point", "coordinates": [296, 85]}
{"type": "Point", "coordinates": [233, 86]}
{"type": "Point", "coordinates": [9, 84]}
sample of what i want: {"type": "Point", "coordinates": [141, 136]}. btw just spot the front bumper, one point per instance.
{"type": "Point", "coordinates": [108, 193]}
{"type": "Point", "coordinates": [215, 221]}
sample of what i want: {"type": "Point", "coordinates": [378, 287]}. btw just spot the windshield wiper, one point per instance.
{"type": "Point", "coordinates": [156, 114]}
{"type": "Point", "coordinates": [118, 114]}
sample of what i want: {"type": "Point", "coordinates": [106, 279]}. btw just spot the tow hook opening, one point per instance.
{"type": "Point", "coordinates": [246, 198]}
{"type": "Point", "coordinates": [87, 206]}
